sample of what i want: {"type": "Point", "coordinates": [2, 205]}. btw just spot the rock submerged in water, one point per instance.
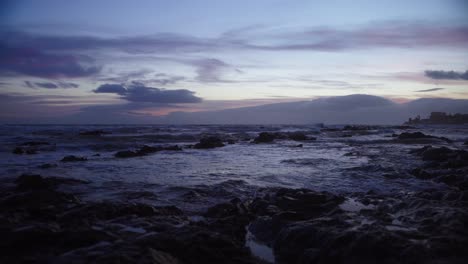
{"type": "Point", "coordinates": [408, 136]}
{"type": "Point", "coordinates": [209, 142]}
{"type": "Point", "coordinates": [94, 133]}
{"type": "Point", "coordinates": [145, 150]}
{"type": "Point", "coordinates": [72, 158]}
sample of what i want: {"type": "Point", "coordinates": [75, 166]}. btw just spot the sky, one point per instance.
{"type": "Point", "coordinates": [123, 60]}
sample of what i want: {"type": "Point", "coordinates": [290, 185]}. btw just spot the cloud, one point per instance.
{"type": "Point", "coordinates": [429, 90]}
{"type": "Point", "coordinates": [447, 75]}
{"type": "Point", "coordinates": [209, 70]}
{"type": "Point", "coordinates": [50, 85]}
{"type": "Point", "coordinates": [30, 61]}
{"type": "Point", "coordinates": [111, 88]}
{"type": "Point", "coordinates": [137, 92]}
{"type": "Point", "coordinates": [391, 34]}
{"type": "Point", "coordinates": [164, 79]}
{"type": "Point", "coordinates": [387, 34]}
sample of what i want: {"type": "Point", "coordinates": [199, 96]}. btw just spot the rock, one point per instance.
{"type": "Point", "coordinates": [298, 136]}
{"type": "Point", "coordinates": [265, 137]}
{"type": "Point", "coordinates": [93, 133]}
{"type": "Point", "coordinates": [126, 154]}
{"type": "Point", "coordinates": [37, 182]}
{"type": "Point", "coordinates": [18, 151]}
{"type": "Point", "coordinates": [72, 158]}
{"type": "Point", "coordinates": [47, 166]}
{"type": "Point", "coordinates": [31, 182]}
{"type": "Point", "coordinates": [35, 143]}
{"type": "Point", "coordinates": [209, 142]}
{"type": "Point", "coordinates": [145, 150]}
{"type": "Point", "coordinates": [419, 135]}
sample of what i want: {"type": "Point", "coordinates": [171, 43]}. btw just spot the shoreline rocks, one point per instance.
{"type": "Point", "coordinates": [145, 150]}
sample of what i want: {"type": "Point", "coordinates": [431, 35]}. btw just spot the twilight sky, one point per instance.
{"type": "Point", "coordinates": [143, 58]}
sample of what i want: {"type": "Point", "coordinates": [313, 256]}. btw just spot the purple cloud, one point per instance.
{"type": "Point", "coordinates": [429, 90]}
{"type": "Point", "coordinates": [50, 85]}
{"type": "Point", "coordinates": [447, 75]}
{"type": "Point", "coordinates": [140, 93]}
{"type": "Point", "coordinates": [380, 35]}
{"type": "Point", "coordinates": [33, 62]}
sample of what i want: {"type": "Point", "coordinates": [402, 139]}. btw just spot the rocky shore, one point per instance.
{"type": "Point", "coordinates": [45, 219]}
{"type": "Point", "coordinates": [42, 222]}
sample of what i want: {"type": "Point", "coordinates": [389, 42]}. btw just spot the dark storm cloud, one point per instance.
{"type": "Point", "coordinates": [50, 85]}
{"type": "Point", "coordinates": [139, 93]}
{"type": "Point", "coordinates": [429, 90]}
{"type": "Point", "coordinates": [447, 75]}
{"type": "Point", "coordinates": [19, 60]}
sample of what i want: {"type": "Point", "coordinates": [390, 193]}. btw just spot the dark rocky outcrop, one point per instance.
{"type": "Point", "coordinates": [145, 150]}
{"type": "Point", "coordinates": [408, 136]}
{"type": "Point", "coordinates": [265, 137]}
{"type": "Point", "coordinates": [72, 158]}
{"type": "Point", "coordinates": [44, 225]}
{"type": "Point", "coordinates": [209, 142]}
{"type": "Point", "coordinates": [94, 133]}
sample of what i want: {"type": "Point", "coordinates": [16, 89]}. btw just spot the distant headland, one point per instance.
{"type": "Point", "coordinates": [439, 118]}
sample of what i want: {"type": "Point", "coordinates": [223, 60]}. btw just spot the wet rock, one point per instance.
{"type": "Point", "coordinates": [47, 166]}
{"type": "Point", "coordinates": [209, 142]}
{"type": "Point", "coordinates": [199, 245]}
{"type": "Point", "coordinates": [443, 157]}
{"type": "Point", "coordinates": [265, 137]}
{"type": "Point", "coordinates": [37, 182]}
{"type": "Point", "coordinates": [72, 158]}
{"type": "Point", "coordinates": [35, 143]}
{"type": "Point", "coordinates": [298, 136]}
{"type": "Point", "coordinates": [145, 150]}
{"type": "Point", "coordinates": [419, 135]}
{"type": "Point", "coordinates": [126, 154]}
{"type": "Point", "coordinates": [93, 133]}
{"type": "Point", "coordinates": [18, 151]}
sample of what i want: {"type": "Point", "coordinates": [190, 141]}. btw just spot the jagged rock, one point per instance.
{"type": "Point", "coordinates": [72, 158]}
{"type": "Point", "coordinates": [209, 142]}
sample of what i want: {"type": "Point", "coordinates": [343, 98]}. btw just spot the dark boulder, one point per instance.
{"type": "Point", "coordinates": [265, 137]}
{"type": "Point", "coordinates": [72, 158]}
{"type": "Point", "coordinates": [209, 142]}
{"type": "Point", "coordinates": [298, 136]}
{"type": "Point", "coordinates": [420, 135]}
